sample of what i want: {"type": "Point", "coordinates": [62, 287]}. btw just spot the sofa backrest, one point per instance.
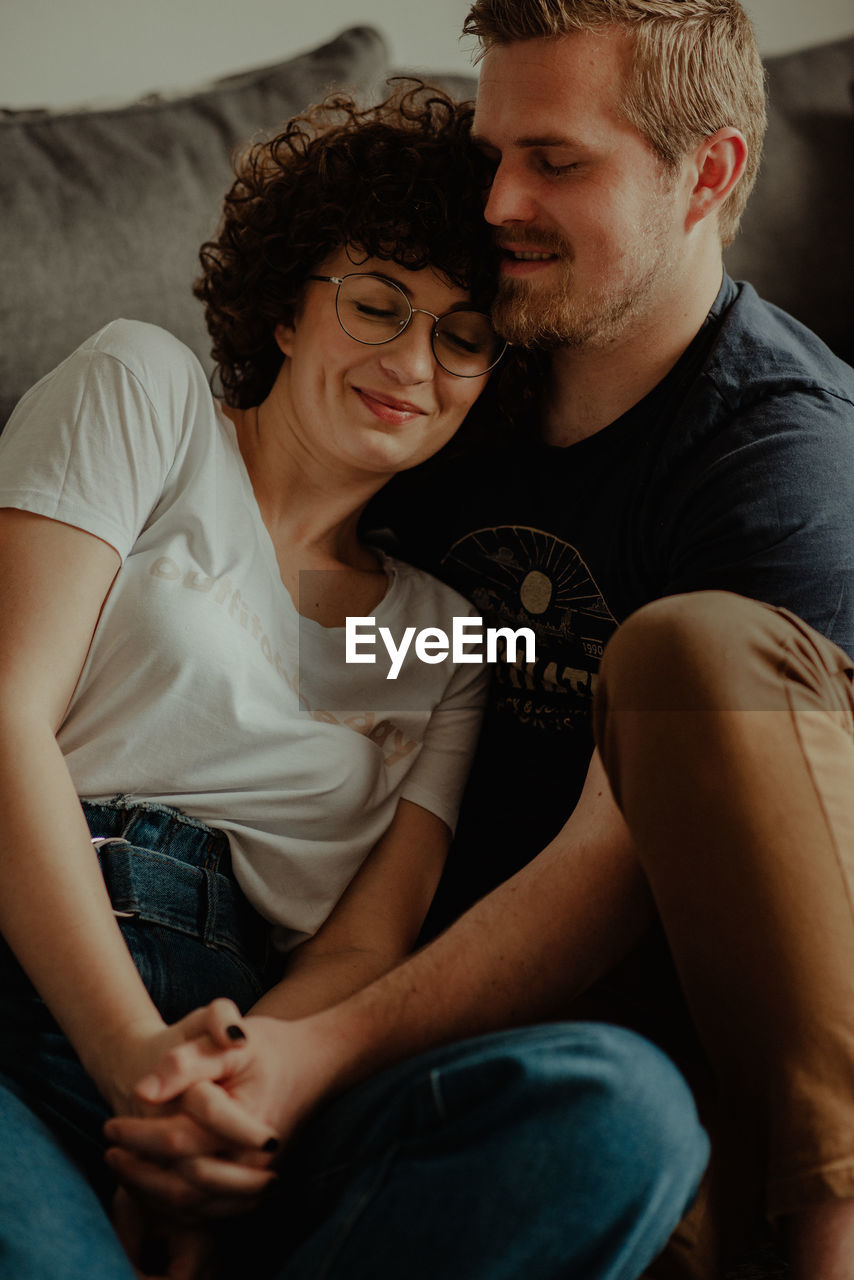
{"type": "Point", "coordinates": [796, 244]}
{"type": "Point", "coordinates": [102, 212]}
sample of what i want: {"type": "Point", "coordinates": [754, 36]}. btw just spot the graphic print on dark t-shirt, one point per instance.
{"type": "Point", "coordinates": [524, 577]}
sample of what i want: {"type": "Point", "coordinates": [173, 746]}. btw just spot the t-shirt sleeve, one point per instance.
{"type": "Point", "coordinates": [437, 778]}
{"type": "Point", "coordinates": [769, 512]}
{"type": "Point", "coordinates": [92, 443]}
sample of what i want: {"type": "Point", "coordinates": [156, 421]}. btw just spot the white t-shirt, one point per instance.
{"type": "Point", "coordinates": [204, 688]}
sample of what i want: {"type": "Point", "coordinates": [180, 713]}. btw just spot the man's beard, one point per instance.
{"type": "Point", "coordinates": [546, 316]}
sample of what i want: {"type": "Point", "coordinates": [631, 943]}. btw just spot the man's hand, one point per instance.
{"type": "Point", "coordinates": [235, 1104]}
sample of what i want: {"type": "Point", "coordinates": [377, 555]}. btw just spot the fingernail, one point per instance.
{"type": "Point", "coordinates": [235, 1033]}
{"type": "Point", "coordinates": [148, 1087]}
{"type": "Point", "coordinates": [271, 1145]}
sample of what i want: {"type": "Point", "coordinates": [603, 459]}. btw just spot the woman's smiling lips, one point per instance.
{"type": "Point", "coordinates": [387, 408]}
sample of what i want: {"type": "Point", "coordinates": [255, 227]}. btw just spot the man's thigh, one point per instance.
{"type": "Point", "coordinates": [567, 1149]}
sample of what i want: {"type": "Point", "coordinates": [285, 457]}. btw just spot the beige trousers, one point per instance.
{"type": "Point", "coordinates": [727, 731]}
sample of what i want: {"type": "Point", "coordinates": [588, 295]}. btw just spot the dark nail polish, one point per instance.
{"type": "Point", "coordinates": [235, 1033]}
{"type": "Point", "coordinates": [271, 1145]}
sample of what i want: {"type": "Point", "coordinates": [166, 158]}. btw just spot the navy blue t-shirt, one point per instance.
{"type": "Point", "coordinates": [736, 472]}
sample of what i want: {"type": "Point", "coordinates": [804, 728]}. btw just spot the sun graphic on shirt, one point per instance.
{"type": "Point", "coordinates": [515, 572]}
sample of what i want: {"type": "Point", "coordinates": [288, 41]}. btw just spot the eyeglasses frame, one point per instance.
{"type": "Point", "coordinates": [373, 275]}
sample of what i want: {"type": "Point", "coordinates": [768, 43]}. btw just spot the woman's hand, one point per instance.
{"type": "Point", "coordinates": [206, 1090]}
{"type": "Point", "coordinates": [158, 1248]}
{"type": "Point", "coordinates": [235, 1104]}
{"type": "Point", "coordinates": [136, 1052]}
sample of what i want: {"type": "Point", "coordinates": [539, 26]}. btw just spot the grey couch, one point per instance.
{"type": "Point", "coordinates": [102, 212]}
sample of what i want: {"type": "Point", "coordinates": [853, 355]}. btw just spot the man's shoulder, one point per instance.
{"type": "Point", "coordinates": [761, 352]}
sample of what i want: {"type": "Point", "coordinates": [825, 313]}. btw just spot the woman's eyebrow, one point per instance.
{"type": "Point", "coordinates": [464, 304]}
{"type": "Point", "coordinates": [389, 279]}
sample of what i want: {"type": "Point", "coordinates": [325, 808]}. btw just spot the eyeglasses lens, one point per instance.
{"type": "Point", "coordinates": [371, 310]}
{"type": "Point", "coordinates": [374, 311]}
{"type": "Point", "coordinates": [465, 343]}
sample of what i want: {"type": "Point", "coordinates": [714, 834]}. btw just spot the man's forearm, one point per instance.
{"type": "Point", "coordinates": [518, 956]}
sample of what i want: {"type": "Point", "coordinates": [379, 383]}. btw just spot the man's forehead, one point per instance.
{"type": "Point", "coordinates": [551, 92]}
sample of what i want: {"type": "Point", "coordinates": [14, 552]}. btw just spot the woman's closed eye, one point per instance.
{"type": "Point", "coordinates": [470, 346]}
{"type": "Point", "coordinates": [375, 313]}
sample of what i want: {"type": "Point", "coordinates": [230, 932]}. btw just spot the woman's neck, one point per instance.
{"type": "Point", "coordinates": [311, 512]}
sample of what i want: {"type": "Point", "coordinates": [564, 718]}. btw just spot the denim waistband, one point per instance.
{"type": "Point", "coordinates": [164, 867]}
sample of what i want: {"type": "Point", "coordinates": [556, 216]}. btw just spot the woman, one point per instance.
{"type": "Point", "coordinates": [176, 573]}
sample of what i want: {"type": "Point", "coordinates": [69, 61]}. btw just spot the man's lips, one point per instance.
{"type": "Point", "coordinates": [525, 259]}
{"type": "Point", "coordinates": [387, 408]}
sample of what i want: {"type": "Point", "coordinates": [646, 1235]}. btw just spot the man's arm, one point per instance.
{"type": "Point", "coordinates": [517, 957]}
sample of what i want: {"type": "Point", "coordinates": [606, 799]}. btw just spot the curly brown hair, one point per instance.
{"type": "Point", "coordinates": [398, 181]}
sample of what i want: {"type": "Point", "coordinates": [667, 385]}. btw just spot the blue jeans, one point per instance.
{"type": "Point", "coordinates": [562, 1152]}
{"type": "Point", "coordinates": [565, 1150]}
{"type": "Point", "coordinates": [193, 937]}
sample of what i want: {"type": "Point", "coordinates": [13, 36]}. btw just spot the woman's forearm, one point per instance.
{"type": "Point", "coordinates": [374, 925]}
{"type": "Point", "coordinates": [314, 983]}
{"type": "Point", "coordinates": [54, 909]}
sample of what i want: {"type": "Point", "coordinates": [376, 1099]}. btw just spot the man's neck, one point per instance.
{"type": "Point", "coordinates": [591, 386]}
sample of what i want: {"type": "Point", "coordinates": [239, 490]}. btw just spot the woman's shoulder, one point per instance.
{"type": "Point", "coordinates": [133, 364]}
{"type": "Point", "coordinates": [129, 381]}
{"type": "Point", "coordinates": [142, 348]}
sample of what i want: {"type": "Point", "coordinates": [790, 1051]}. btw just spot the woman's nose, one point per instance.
{"type": "Point", "coordinates": [409, 358]}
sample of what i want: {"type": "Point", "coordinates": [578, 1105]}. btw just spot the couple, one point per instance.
{"type": "Point", "coordinates": [681, 460]}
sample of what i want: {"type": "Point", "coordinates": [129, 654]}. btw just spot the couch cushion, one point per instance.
{"type": "Point", "coordinates": [795, 241]}
{"type": "Point", "coordinates": [102, 212]}
{"type": "Point", "coordinates": [460, 86]}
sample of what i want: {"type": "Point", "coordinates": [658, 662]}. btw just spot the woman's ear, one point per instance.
{"type": "Point", "coordinates": [284, 335]}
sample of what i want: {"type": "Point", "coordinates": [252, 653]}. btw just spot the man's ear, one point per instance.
{"type": "Point", "coordinates": [284, 335]}
{"type": "Point", "coordinates": [718, 165]}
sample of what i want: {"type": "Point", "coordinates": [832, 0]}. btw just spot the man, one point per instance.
{"type": "Point", "coordinates": [691, 447]}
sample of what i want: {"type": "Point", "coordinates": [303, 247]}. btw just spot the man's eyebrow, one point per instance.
{"type": "Point", "coordinates": [546, 140]}
{"type": "Point", "coordinates": [529, 140]}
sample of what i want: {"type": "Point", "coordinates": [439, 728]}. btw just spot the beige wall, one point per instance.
{"type": "Point", "coordinates": [61, 52]}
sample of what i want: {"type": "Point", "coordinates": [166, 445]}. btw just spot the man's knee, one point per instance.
{"type": "Point", "coordinates": [630, 1146]}
{"type": "Point", "coordinates": [705, 650]}
{"type": "Point", "coordinates": [613, 1107]}
{"type": "Point", "coordinates": [648, 1134]}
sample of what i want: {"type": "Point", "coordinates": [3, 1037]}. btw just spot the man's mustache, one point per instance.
{"type": "Point", "coordinates": [530, 237]}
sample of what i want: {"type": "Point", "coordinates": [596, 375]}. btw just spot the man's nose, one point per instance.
{"type": "Point", "coordinates": [508, 199]}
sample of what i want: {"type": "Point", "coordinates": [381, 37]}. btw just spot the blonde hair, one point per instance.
{"type": "Point", "coordinates": [696, 69]}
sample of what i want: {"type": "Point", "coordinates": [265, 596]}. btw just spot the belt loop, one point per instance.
{"type": "Point", "coordinates": [99, 843]}
{"type": "Point", "coordinates": [211, 898]}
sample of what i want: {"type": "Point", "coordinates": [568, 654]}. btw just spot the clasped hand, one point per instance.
{"type": "Point", "coordinates": [219, 1105]}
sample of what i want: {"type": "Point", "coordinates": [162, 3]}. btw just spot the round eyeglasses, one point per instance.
{"type": "Point", "coordinates": [375, 310]}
